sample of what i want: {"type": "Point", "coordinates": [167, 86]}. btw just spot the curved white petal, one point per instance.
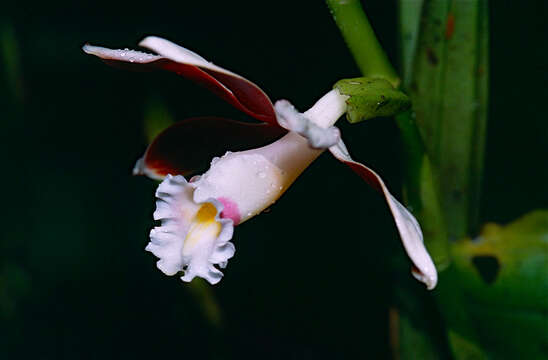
{"type": "Point", "coordinates": [192, 237]}
{"type": "Point", "coordinates": [408, 227]}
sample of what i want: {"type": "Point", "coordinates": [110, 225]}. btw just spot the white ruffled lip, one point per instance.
{"type": "Point", "coordinates": [183, 243]}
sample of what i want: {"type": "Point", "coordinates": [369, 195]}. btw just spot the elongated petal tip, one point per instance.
{"type": "Point", "coordinates": [430, 279]}
{"type": "Point", "coordinates": [141, 168]}
{"type": "Point", "coordinates": [125, 55]}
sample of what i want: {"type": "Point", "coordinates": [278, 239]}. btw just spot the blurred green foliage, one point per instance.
{"type": "Point", "coordinates": [503, 277]}
{"type": "Point", "coordinates": [157, 118]}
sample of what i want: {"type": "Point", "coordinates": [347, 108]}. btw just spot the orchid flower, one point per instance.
{"type": "Point", "coordinates": [198, 216]}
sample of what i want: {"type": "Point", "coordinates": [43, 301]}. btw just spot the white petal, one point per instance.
{"type": "Point", "coordinates": [408, 227]}
{"type": "Point", "coordinates": [192, 237]}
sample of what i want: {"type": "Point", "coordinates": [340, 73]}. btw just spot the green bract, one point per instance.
{"type": "Point", "coordinates": [371, 97]}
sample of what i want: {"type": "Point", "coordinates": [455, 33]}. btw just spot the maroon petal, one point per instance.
{"type": "Point", "coordinates": [236, 90]}
{"type": "Point", "coordinates": [188, 146]}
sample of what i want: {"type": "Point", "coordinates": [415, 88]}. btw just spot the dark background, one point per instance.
{"type": "Point", "coordinates": [312, 278]}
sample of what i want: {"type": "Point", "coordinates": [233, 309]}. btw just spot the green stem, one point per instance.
{"type": "Point", "coordinates": [361, 40]}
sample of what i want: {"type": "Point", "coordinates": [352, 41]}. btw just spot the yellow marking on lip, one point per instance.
{"type": "Point", "coordinates": [206, 213]}
{"type": "Point", "coordinates": [203, 227]}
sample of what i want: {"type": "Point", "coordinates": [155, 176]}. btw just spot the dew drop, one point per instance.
{"type": "Point", "coordinates": [261, 174]}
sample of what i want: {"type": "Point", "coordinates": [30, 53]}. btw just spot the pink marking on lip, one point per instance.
{"type": "Point", "coordinates": [230, 210]}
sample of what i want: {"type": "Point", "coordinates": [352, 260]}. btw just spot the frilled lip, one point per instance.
{"type": "Point", "coordinates": [166, 155]}
{"type": "Point", "coordinates": [178, 212]}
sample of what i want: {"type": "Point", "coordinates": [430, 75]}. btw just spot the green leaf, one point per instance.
{"type": "Point", "coordinates": [371, 97]}
{"type": "Point", "coordinates": [503, 275]}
